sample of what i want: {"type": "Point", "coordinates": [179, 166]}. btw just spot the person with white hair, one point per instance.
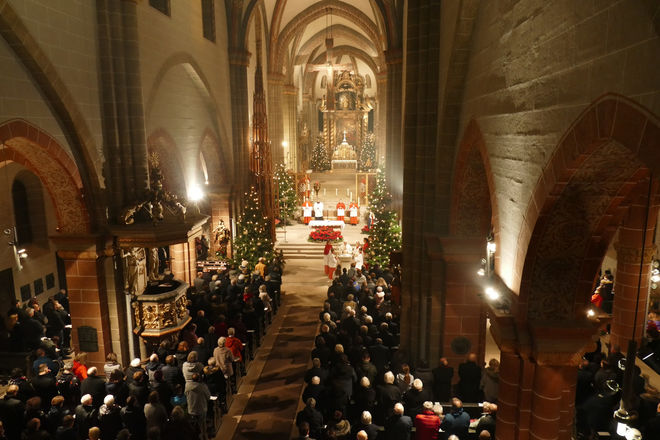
{"type": "Point", "coordinates": [85, 414]}
{"type": "Point", "coordinates": [94, 385]}
{"type": "Point", "coordinates": [134, 366]}
{"type": "Point", "coordinates": [398, 426]}
{"type": "Point", "coordinates": [312, 416]}
{"type": "Point", "coordinates": [109, 417]}
{"type": "Point", "coordinates": [387, 395]}
{"type": "Point", "coordinates": [223, 357]}
{"type": "Point", "coordinates": [365, 396]}
{"type": "Point", "coordinates": [414, 398]}
{"type": "Point", "coordinates": [365, 425]}
{"type": "Point", "coordinates": [427, 423]}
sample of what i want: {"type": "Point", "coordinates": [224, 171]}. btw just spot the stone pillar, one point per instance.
{"type": "Point", "coordinates": [420, 134]}
{"type": "Point", "coordinates": [290, 124]}
{"type": "Point", "coordinates": [239, 60]}
{"type": "Point", "coordinates": [88, 298]}
{"type": "Point", "coordinates": [394, 142]}
{"type": "Point", "coordinates": [180, 262]}
{"type": "Point", "coordinates": [629, 257]}
{"type": "Point", "coordinates": [380, 123]}
{"type": "Point", "coordinates": [456, 311]}
{"type": "Point", "coordinates": [275, 116]}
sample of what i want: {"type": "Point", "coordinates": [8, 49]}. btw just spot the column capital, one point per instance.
{"type": "Point", "coordinates": [239, 57]}
{"type": "Point", "coordinates": [633, 254]}
{"type": "Point", "coordinates": [394, 56]}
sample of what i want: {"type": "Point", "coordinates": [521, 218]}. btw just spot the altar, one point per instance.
{"type": "Point", "coordinates": [344, 157]}
{"type": "Point", "coordinates": [327, 223]}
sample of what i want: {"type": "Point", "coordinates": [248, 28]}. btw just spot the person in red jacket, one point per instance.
{"type": "Point", "coordinates": [234, 344]}
{"type": "Point", "coordinates": [427, 423]}
{"type": "Point", "coordinates": [79, 366]}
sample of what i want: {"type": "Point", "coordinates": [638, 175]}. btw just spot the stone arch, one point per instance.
{"type": "Point", "coordinates": [473, 202]}
{"type": "Point", "coordinates": [599, 167]}
{"type": "Point", "coordinates": [62, 103]}
{"type": "Point", "coordinates": [161, 143]}
{"type": "Point", "coordinates": [197, 76]}
{"type": "Point", "coordinates": [37, 151]}
{"type": "Point", "coordinates": [280, 42]}
{"type": "Point", "coordinates": [210, 151]}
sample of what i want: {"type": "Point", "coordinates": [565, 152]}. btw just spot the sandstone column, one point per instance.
{"type": "Point", "coordinates": [394, 144]}
{"type": "Point", "coordinates": [629, 257]}
{"type": "Point", "coordinates": [239, 60]}
{"type": "Point", "coordinates": [290, 124]}
{"type": "Point", "coordinates": [275, 116]}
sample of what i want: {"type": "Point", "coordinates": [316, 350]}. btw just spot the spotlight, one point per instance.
{"type": "Point", "coordinates": [591, 313]}
{"type": "Point", "coordinates": [492, 294]}
{"type": "Point", "coordinates": [195, 193]}
{"type": "Point", "coordinates": [491, 247]}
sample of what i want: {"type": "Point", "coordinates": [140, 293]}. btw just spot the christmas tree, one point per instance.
{"type": "Point", "coordinates": [368, 153]}
{"type": "Point", "coordinates": [253, 238]}
{"type": "Point", "coordinates": [385, 233]}
{"type": "Point", "coordinates": [286, 189]}
{"type": "Point", "coordinates": [320, 160]}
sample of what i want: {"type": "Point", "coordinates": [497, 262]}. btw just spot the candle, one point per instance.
{"type": "Point", "coordinates": [323, 191]}
{"type": "Point", "coordinates": [336, 191]}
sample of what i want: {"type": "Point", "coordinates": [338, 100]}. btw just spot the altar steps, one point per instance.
{"type": "Point", "coordinates": [300, 251]}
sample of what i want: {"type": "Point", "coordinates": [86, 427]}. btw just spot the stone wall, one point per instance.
{"type": "Point", "coordinates": [534, 66]}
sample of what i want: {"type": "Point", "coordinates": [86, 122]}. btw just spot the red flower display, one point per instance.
{"type": "Point", "coordinates": [325, 233]}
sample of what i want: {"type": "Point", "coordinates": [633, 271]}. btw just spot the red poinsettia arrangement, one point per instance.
{"type": "Point", "coordinates": [325, 233]}
{"type": "Point", "coordinates": [365, 229]}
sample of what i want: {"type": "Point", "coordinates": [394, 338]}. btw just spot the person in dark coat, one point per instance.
{"type": "Point", "coordinates": [469, 374]}
{"type": "Point", "coordinates": [487, 421]}
{"type": "Point", "coordinates": [11, 412]}
{"type": "Point", "coordinates": [67, 430]}
{"type": "Point", "coordinates": [178, 427]}
{"type": "Point", "coordinates": [414, 398]}
{"type": "Point", "coordinates": [44, 385]}
{"type": "Point", "coordinates": [398, 426]}
{"type": "Point", "coordinates": [133, 418]}
{"type": "Point", "coordinates": [109, 418]}
{"type": "Point", "coordinates": [117, 387]}
{"type": "Point", "coordinates": [313, 389]}
{"type": "Point", "coordinates": [442, 378]}
{"type": "Point", "coordinates": [365, 425]}
{"type": "Point", "coordinates": [387, 394]}
{"type": "Point", "coordinates": [457, 421]}
{"type": "Point", "coordinates": [380, 355]}
{"type": "Point", "coordinates": [313, 417]}
{"type": "Point", "coordinates": [86, 415]}
{"type": "Point", "coordinates": [94, 385]}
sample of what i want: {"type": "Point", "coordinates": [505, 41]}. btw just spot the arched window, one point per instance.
{"type": "Point", "coordinates": [21, 213]}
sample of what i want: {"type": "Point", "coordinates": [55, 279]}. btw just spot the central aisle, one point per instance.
{"type": "Point", "coordinates": [267, 401]}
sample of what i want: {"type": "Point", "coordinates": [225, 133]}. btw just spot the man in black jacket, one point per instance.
{"type": "Point", "coordinates": [442, 377]}
{"type": "Point", "coordinates": [398, 426]}
{"type": "Point", "coordinates": [11, 412]}
{"type": "Point", "coordinates": [313, 417]}
{"type": "Point", "coordinates": [95, 386]}
{"type": "Point", "coordinates": [469, 374]}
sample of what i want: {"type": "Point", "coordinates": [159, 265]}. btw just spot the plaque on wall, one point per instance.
{"type": "Point", "coordinates": [38, 286]}
{"type": "Point", "coordinates": [26, 292]}
{"type": "Point", "coordinates": [50, 281]}
{"type": "Point", "coordinates": [461, 345]}
{"type": "Point", "coordinates": [88, 339]}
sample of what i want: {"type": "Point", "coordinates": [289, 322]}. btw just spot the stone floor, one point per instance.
{"type": "Point", "coordinates": [269, 396]}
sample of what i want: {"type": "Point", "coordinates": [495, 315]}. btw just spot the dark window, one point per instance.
{"type": "Point", "coordinates": [21, 213]}
{"type": "Point", "coordinates": [208, 19]}
{"type": "Point", "coordinates": [162, 5]}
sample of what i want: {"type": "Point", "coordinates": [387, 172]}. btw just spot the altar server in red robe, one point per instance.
{"type": "Point", "coordinates": [307, 211]}
{"type": "Point", "coordinates": [341, 210]}
{"type": "Point", "coordinates": [327, 254]}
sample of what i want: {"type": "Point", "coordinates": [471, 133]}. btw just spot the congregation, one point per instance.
{"type": "Point", "coordinates": [177, 392]}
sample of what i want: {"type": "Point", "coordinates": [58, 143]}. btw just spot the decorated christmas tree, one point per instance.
{"type": "Point", "coordinates": [368, 153]}
{"type": "Point", "coordinates": [286, 189]}
{"type": "Point", "coordinates": [320, 160]}
{"type": "Point", "coordinates": [253, 238]}
{"type": "Point", "coordinates": [385, 233]}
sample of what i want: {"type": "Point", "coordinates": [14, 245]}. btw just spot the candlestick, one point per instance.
{"type": "Point", "coordinates": [336, 191]}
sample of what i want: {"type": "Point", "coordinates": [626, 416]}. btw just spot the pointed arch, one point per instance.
{"type": "Point", "coordinates": [599, 167]}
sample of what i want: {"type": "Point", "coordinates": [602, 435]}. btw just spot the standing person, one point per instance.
{"type": "Point", "coordinates": [341, 210]}
{"type": "Point", "coordinates": [332, 264]}
{"type": "Point", "coordinates": [490, 380]}
{"type": "Point", "coordinates": [326, 251]}
{"type": "Point", "coordinates": [318, 210]}
{"type": "Point", "coordinates": [427, 423]}
{"type": "Point", "coordinates": [307, 211]}
{"type": "Point", "coordinates": [353, 212]}
{"type": "Point", "coordinates": [198, 395]}
{"type": "Point", "coordinates": [469, 374]}
{"type": "Point", "coordinates": [442, 377]}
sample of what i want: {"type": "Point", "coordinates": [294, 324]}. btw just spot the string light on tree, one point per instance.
{"type": "Point", "coordinates": [320, 161]}
{"type": "Point", "coordinates": [253, 239]}
{"type": "Point", "coordinates": [385, 233]}
{"type": "Point", "coordinates": [286, 188]}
